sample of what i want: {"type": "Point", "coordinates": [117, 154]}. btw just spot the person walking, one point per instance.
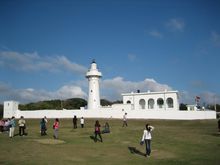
{"type": "Point", "coordinates": [97, 131]}
{"type": "Point", "coordinates": [56, 128]}
{"type": "Point", "coordinates": [82, 122]}
{"type": "Point", "coordinates": [12, 127]}
{"type": "Point", "coordinates": [146, 138]}
{"type": "Point", "coordinates": [125, 120]}
{"type": "Point", "coordinates": [21, 124]}
{"type": "Point", "coordinates": [75, 122]}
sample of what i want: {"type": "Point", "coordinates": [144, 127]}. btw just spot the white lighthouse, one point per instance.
{"type": "Point", "coordinates": [93, 76]}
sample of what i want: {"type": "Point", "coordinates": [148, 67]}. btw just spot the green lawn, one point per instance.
{"type": "Point", "coordinates": [174, 142]}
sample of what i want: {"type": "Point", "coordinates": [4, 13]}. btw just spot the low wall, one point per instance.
{"type": "Point", "coordinates": [111, 113]}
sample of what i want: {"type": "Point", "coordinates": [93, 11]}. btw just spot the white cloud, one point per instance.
{"type": "Point", "coordinates": [34, 62]}
{"type": "Point", "coordinates": [112, 88]}
{"type": "Point", "coordinates": [210, 97]}
{"type": "Point", "coordinates": [70, 91]}
{"type": "Point", "coordinates": [215, 38]}
{"type": "Point", "coordinates": [65, 92]}
{"type": "Point", "coordinates": [156, 34]}
{"type": "Point", "coordinates": [176, 24]}
{"type": "Point", "coordinates": [186, 97]}
{"type": "Point", "coordinates": [33, 95]}
{"type": "Point", "coordinates": [205, 97]}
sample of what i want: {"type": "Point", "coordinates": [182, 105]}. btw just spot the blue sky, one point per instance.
{"type": "Point", "coordinates": [47, 46]}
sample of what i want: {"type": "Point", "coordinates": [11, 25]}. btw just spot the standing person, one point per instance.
{"type": "Point", "coordinates": [97, 131]}
{"type": "Point", "coordinates": [219, 125]}
{"type": "Point", "coordinates": [82, 122]}
{"type": "Point", "coordinates": [12, 127]}
{"type": "Point", "coordinates": [75, 122]}
{"type": "Point", "coordinates": [125, 120]}
{"type": "Point", "coordinates": [146, 138]}
{"type": "Point", "coordinates": [7, 125]}
{"type": "Point", "coordinates": [21, 124]}
{"type": "Point", "coordinates": [46, 121]}
{"type": "Point", "coordinates": [43, 127]}
{"type": "Point", "coordinates": [56, 128]}
{"type": "Point", "coordinates": [2, 124]}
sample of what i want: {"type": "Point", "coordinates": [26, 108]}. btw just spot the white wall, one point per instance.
{"type": "Point", "coordinates": [114, 113]}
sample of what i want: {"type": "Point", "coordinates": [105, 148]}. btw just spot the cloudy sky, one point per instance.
{"type": "Point", "coordinates": [47, 46]}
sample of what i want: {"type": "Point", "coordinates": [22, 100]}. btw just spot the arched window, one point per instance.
{"type": "Point", "coordinates": [151, 104]}
{"type": "Point", "coordinates": [160, 102]}
{"type": "Point", "coordinates": [142, 104]}
{"type": "Point", "coordinates": [128, 102]}
{"type": "Point", "coordinates": [169, 102]}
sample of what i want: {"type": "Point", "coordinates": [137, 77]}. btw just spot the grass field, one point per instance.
{"type": "Point", "coordinates": [174, 142]}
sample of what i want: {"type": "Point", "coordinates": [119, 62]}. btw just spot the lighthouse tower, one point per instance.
{"type": "Point", "coordinates": [93, 76]}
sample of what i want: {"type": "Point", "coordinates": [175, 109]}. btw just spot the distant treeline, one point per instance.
{"type": "Point", "coordinates": [73, 103]}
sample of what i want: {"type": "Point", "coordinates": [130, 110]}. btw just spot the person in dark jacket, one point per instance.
{"type": "Point", "coordinates": [75, 122]}
{"type": "Point", "coordinates": [219, 125]}
{"type": "Point", "coordinates": [43, 127]}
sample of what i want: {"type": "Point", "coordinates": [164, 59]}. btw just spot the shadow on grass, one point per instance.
{"type": "Point", "coordinates": [92, 137]}
{"type": "Point", "coordinates": [133, 150]}
{"type": "Point", "coordinates": [216, 134]}
{"type": "Point", "coordinates": [17, 134]}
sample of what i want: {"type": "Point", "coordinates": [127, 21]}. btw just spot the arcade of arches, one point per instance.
{"type": "Point", "coordinates": [151, 103]}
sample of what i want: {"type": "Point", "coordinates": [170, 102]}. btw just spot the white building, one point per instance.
{"type": "Point", "coordinates": [165, 100]}
{"type": "Point", "coordinates": [139, 105]}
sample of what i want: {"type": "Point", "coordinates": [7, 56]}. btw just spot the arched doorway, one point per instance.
{"type": "Point", "coordinates": [151, 104]}
{"type": "Point", "coordinates": [142, 103]}
{"type": "Point", "coordinates": [160, 102]}
{"type": "Point", "coordinates": [169, 102]}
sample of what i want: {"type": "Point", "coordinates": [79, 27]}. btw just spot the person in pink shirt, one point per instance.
{"type": "Point", "coordinates": [2, 123]}
{"type": "Point", "coordinates": [97, 131]}
{"type": "Point", "coordinates": [56, 128]}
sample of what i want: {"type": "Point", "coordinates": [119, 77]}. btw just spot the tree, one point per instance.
{"type": "Point", "coordinates": [105, 102]}
{"type": "Point", "coordinates": [74, 103]}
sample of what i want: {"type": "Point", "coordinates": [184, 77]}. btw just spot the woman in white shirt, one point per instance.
{"type": "Point", "coordinates": [146, 138]}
